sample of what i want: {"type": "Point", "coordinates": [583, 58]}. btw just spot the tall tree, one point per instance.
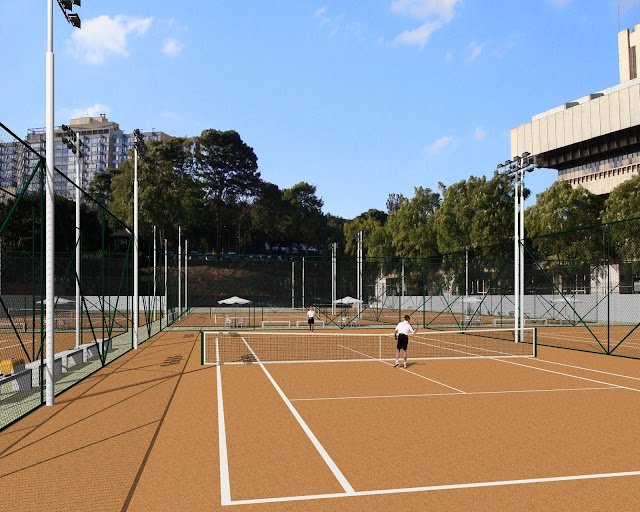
{"type": "Point", "coordinates": [412, 225]}
{"type": "Point", "coordinates": [369, 222]}
{"type": "Point", "coordinates": [562, 210]}
{"type": "Point", "coordinates": [227, 169]}
{"type": "Point", "coordinates": [475, 212]}
{"type": "Point", "coordinates": [622, 205]}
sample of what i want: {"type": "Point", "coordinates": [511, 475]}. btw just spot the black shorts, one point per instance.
{"type": "Point", "coordinates": [403, 341]}
{"type": "Point", "coordinates": [311, 320]}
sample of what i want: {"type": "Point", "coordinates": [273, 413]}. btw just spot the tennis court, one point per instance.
{"type": "Point", "coordinates": [157, 430]}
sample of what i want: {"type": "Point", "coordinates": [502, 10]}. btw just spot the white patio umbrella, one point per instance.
{"type": "Point", "coordinates": [347, 300]}
{"type": "Point", "coordinates": [234, 301]}
{"type": "Point", "coordinates": [57, 300]}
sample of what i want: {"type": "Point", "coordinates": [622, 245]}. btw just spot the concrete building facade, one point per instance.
{"type": "Point", "coordinates": [105, 146]}
{"type": "Point", "coordinates": [593, 141]}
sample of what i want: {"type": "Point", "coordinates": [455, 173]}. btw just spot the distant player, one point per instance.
{"type": "Point", "coordinates": [311, 314]}
{"type": "Point", "coordinates": [402, 335]}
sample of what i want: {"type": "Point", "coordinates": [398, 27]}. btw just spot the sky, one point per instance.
{"type": "Point", "coordinates": [361, 98]}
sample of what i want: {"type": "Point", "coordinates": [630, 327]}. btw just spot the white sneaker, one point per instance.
{"type": "Point", "coordinates": [396, 365]}
{"type": "Point", "coordinates": [405, 365]}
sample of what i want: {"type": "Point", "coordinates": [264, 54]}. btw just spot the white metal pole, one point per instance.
{"type": "Point", "coordinates": [516, 258]}
{"type": "Point", "coordinates": [166, 276]}
{"type": "Point", "coordinates": [136, 292]}
{"type": "Point", "coordinates": [186, 272]}
{"type": "Point", "coordinates": [293, 284]}
{"type": "Point", "coordinates": [521, 263]}
{"type": "Point", "coordinates": [155, 261]}
{"type": "Point", "coordinates": [179, 270]}
{"type": "Point", "coordinates": [49, 211]}
{"type": "Point", "coordinates": [303, 302]}
{"type": "Point", "coordinates": [334, 280]}
{"type": "Point", "coordinates": [78, 187]}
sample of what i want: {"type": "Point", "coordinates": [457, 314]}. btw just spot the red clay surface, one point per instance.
{"type": "Point", "coordinates": [142, 435]}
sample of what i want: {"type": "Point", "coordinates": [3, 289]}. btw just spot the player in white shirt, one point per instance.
{"type": "Point", "coordinates": [402, 335]}
{"type": "Point", "coordinates": [311, 314]}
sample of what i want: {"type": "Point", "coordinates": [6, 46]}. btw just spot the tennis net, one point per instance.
{"type": "Point", "coordinates": [272, 347]}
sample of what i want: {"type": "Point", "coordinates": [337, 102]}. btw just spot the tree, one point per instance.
{"type": "Point", "coordinates": [100, 186]}
{"type": "Point", "coordinates": [306, 220]}
{"type": "Point", "coordinates": [393, 202]}
{"type": "Point", "coordinates": [561, 211]}
{"type": "Point", "coordinates": [369, 222]}
{"type": "Point", "coordinates": [168, 196]}
{"type": "Point", "coordinates": [227, 169]}
{"type": "Point", "coordinates": [412, 225]}
{"type": "Point", "coordinates": [622, 208]}
{"type": "Point", "coordinates": [475, 212]}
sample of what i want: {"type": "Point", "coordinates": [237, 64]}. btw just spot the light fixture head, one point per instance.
{"type": "Point", "coordinates": [74, 19]}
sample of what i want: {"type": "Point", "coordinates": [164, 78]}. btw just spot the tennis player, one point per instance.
{"type": "Point", "coordinates": [311, 314]}
{"type": "Point", "coordinates": [402, 335]}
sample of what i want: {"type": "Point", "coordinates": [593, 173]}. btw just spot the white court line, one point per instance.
{"type": "Point", "coordinates": [565, 374]}
{"type": "Point", "coordinates": [439, 487]}
{"type": "Point", "coordinates": [588, 369]}
{"type": "Point", "coordinates": [469, 393]}
{"type": "Point", "coordinates": [225, 486]}
{"type": "Point", "coordinates": [408, 371]}
{"type": "Point", "coordinates": [328, 460]}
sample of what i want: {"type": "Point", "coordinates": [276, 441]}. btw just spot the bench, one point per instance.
{"type": "Point", "coordinates": [74, 355]}
{"type": "Point", "coordinates": [285, 323]}
{"type": "Point", "coordinates": [495, 321]}
{"type": "Point", "coordinates": [21, 379]}
{"type": "Point", "coordinates": [34, 367]}
{"type": "Point", "coordinates": [304, 322]}
{"type": "Point", "coordinates": [346, 320]}
{"type": "Point", "coordinates": [20, 326]}
{"type": "Point", "coordinates": [472, 320]}
{"type": "Point", "coordinates": [90, 350]}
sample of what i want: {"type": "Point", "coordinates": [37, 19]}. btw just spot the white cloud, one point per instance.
{"type": "Point", "coordinates": [422, 9]}
{"type": "Point", "coordinates": [321, 15]}
{"type": "Point", "coordinates": [439, 144]}
{"type": "Point", "coordinates": [172, 47]}
{"type": "Point", "coordinates": [475, 49]}
{"type": "Point", "coordinates": [339, 24]}
{"type": "Point", "coordinates": [433, 13]}
{"type": "Point", "coordinates": [480, 134]}
{"type": "Point", "coordinates": [418, 36]}
{"type": "Point", "coordinates": [92, 111]}
{"type": "Point", "coordinates": [104, 36]}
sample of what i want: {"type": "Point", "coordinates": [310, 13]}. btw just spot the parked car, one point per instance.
{"type": "Point", "coordinates": [209, 256]}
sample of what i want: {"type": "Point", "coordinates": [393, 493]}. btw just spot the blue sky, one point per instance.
{"type": "Point", "coordinates": [360, 98]}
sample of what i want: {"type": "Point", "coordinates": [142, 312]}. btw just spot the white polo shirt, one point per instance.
{"type": "Point", "coordinates": [404, 327]}
{"type": "Point", "coordinates": [311, 313]}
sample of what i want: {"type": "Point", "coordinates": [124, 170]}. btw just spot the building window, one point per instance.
{"type": "Point", "coordinates": [633, 70]}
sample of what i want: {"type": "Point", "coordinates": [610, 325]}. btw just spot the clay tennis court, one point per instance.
{"type": "Point", "coordinates": [157, 430]}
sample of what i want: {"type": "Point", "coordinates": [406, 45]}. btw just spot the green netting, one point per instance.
{"type": "Point", "coordinates": [102, 330]}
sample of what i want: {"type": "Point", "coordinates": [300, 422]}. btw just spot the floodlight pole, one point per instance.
{"type": "Point", "coordinates": [303, 302]}
{"type": "Point", "coordinates": [78, 187]}
{"type": "Point", "coordinates": [136, 292]}
{"type": "Point", "coordinates": [179, 271]}
{"type": "Point", "coordinates": [166, 275]}
{"type": "Point", "coordinates": [186, 272]}
{"type": "Point", "coordinates": [293, 284]}
{"type": "Point", "coordinates": [155, 260]}
{"type": "Point", "coordinates": [74, 19]}
{"type": "Point", "coordinates": [516, 254]}
{"type": "Point", "coordinates": [334, 277]}
{"type": "Point", "coordinates": [521, 248]}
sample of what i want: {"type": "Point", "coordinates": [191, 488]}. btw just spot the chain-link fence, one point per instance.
{"type": "Point", "coordinates": [93, 280]}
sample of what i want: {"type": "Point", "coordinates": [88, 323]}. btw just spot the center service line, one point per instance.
{"type": "Point", "coordinates": [323, 453]}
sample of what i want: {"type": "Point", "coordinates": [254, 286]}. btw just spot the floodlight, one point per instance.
{"type": "Point", "coordinates": [74, 19]}
{"type": "Point", "coordinates": [66, 4]}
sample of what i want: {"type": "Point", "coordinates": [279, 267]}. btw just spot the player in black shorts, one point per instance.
{"type": "Point", "coordinates": [402, 335]}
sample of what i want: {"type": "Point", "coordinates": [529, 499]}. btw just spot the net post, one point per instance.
{"type": "Point", "coordinates": [380, 347]}
{"type": "Point", "coordinates": [535, 342]}
{"type": "Point", "coordinates": [202, 348]}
